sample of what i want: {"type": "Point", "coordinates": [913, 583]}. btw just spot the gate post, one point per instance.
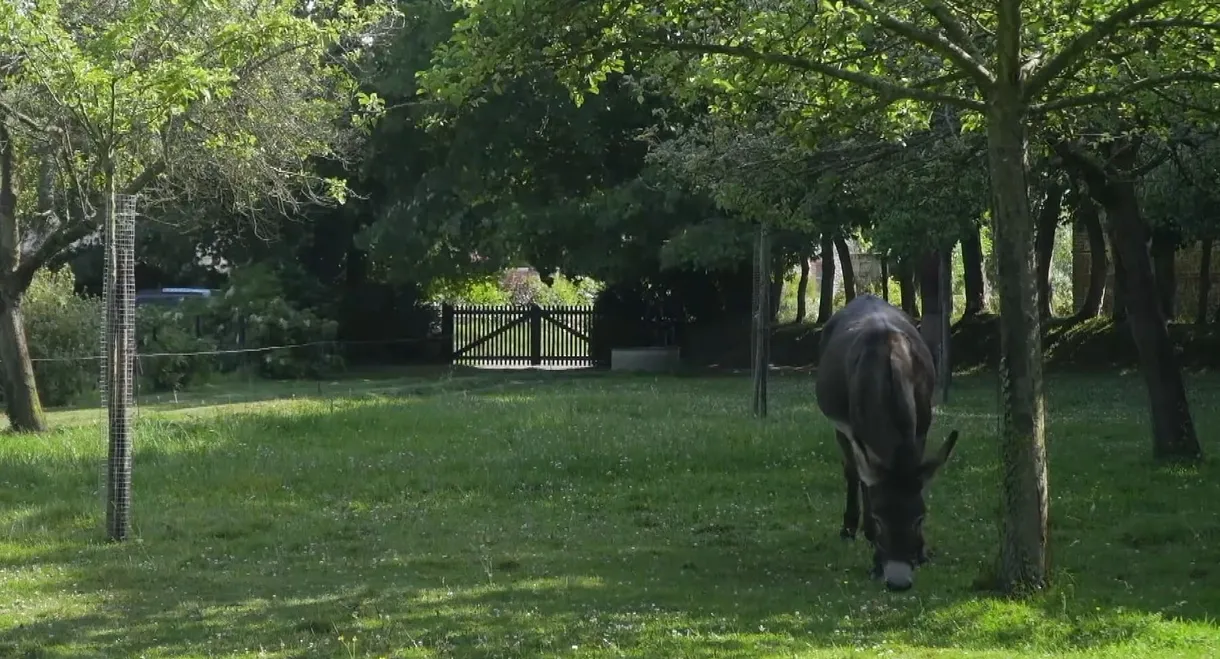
{"type": "Point", "coordinates": [447, 331]}
{"type": "Point", "coordinates": [535, 314]}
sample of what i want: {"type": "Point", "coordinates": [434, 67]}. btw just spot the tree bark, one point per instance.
{"type": "Point", "coordinates": [777, 291]}
{"type": "Point", "coordinates": [1172, 426]}
{"type": "Point", "coordinates": [885, 279]}
{"type": "Point", "coordinates": [972, 273]}
{"type": "Point", "coordinates": [1023, 561]}
{"type": "Point", "coordinates": [932, 299]}
{"type": "Point", "coordinates": [802, 289]}
{"type": "Point", "coordinates": [1099, 264]}
{"type": "Point", "coordinates": [1118, 306]}
{"type": "Point", "coordinates": [827, 290]}
{"type": "Point", "coordinates": [21, 399]}
{"type": "Point", "coordinates": [849, 269]}
{"type": "Point", "coordinates": [906, 288]}
{"type": "Point", "coordinates": [1164, 249]}
{"type": "Point", "coordinates": [1205, 282]}
{"type": "Point", "coordinates": [1044, 246]}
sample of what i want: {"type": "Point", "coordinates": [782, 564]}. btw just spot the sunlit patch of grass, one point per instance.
{"type": "Point", "coordinates": [585, 516]}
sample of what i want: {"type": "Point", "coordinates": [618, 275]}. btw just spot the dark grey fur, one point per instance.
{"type": "Point", "coordinates": [875, 383]}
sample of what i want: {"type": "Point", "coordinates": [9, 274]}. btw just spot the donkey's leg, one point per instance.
{"type": "Point", "coordinates": [851, 510]}
{"type": "Point", "coordinates": [870, 533]}
{"type": "Point", "coordinates": [870, 530]}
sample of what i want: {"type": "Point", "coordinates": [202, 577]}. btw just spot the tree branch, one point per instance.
{"type": "Point", "coordinates": [144, 179]}
{"type": "Point", "coordinates": [1151, 82]}
{"type": "Point", "coordinates": [1177, 22]}
{"type": "Point", "coordinates": [53, 247]}
{"type": "Point", "coordinates": [966, 61]}
{"type": "Point", "coordinates": [875, 83]}
{"type": "Point", "coordinates": [1075, 51]}
{"type": "Point", "coordinates": [954, 28]}
{"type": "Point", "coordinates": [63, 239]}
{"type": "Point", "coordinates": [29, 122]}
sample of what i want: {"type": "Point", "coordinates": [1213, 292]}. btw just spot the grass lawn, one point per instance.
{"type": "Point", "coordinates": [588, 517]}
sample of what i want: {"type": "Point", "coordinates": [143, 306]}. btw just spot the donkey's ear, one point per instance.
{"type": "Point", "coordinates": [931, 465]}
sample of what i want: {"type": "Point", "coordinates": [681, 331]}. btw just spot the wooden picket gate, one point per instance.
{"type": "Point", "coordinates": [518, 335]}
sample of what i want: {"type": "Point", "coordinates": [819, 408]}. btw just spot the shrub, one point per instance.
{"type": "Point", "coordinates": [161, 330]}
{"type": "Point", "coordinates": [64, 327]}
{"type": "Point", "coordinates": [255, 303]}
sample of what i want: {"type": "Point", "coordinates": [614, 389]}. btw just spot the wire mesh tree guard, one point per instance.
{"type": "Point", "coordinates": [118, 343]}
{"type": "Point", "coordinates": [760, 330]}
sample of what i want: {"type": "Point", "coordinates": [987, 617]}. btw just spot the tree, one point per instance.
{"type": "Point", "coordinates": [1184, 193]}
{"type": "Point", "coordinates": [170, 99]}
{"type": "Point", "coordinates": [1084, 213]}
{"type": "Point", "coordinates": [984, 70]}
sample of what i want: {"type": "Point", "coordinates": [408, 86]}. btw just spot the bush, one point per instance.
{"type": "Point", "coordinates": [517, 286]}
{"type": "Point", "coordinates": [62, 326]}
{"type": "Point", "coordinates": [161, 330]}
{"type": "Point", "coordinates": [255, 304]}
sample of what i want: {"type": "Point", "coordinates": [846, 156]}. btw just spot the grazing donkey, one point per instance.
{"type": "Point", "coordinates": [874, 383]}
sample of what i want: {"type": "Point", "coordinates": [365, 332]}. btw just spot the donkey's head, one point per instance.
{"type": "Point", "coordinates": [897, 508]}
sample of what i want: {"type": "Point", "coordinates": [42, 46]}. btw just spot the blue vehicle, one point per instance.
{"type": "Point", "coordinates": [170, 296]}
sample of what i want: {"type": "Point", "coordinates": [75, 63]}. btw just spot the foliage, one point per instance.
{"type": "Point", "coordinates": [223, 100]}
{"type": "Point", "coordinates": [64, 331]}
{"type": "Point", "coordinates": [1182, 193]}
{"type": "Point", "coordinates": [255, 312]}
{"type": "Point", "coordinates": [733, 523]}
{"type": "Point", "coordinates": [516, 286]}
{"type": "Point", "coordinates": [172, 356]}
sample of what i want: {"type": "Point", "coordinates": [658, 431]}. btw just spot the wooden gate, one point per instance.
{"type": "Point", "coordinates": [518, 335]}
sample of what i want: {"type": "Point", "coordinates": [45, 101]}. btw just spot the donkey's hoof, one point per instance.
{"type": "Point", "coordinates": [847, 534]}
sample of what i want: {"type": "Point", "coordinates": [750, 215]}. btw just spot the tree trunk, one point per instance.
{"type": "Point", "coordinates": [22, 403]}
{"type": "Point", "coordinates": [777, 291]}
{"type": "Point", "coordinates": [907, 298]}
{"type": "Point", "coordinates": [1023, 484]}
{"type": "Point", "coordinates": [1205, 282]}
{"type": "Point", "coordinates": [24, 408]}
{"type": "Point", "coordinates": [849, 270]}
{"type": "Point", "coordinates": [1164, 249]}
{"type": "Point", "coordinates": [1044, 246]}
{"type": "Point", "coordinates": [1172, 426]}
{"type": "Point", "coordinates": [972, 273]}
{"type": "Point", "coordinates": [1118, 306]}
{"type": "Point", "coordinates": [931, 298]}
{"type": "Point", "coordinates": [885, 279]}
{"type": "Point", "coordinates": [826, 296]}
{"type": "Point", "coordinates": [802, 289]}
{"type": "Point", "coordinates": [1099, 265]}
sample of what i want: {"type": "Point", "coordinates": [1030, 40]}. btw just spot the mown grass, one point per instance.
{"type": "Point", "coordinates": [588, 517]}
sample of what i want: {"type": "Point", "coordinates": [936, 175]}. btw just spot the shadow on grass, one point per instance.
{"type": "Point", "coordinates": [588, 515]}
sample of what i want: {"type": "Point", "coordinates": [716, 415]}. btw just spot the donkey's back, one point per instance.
{"type": "Point", "coordinates": [875, 372]}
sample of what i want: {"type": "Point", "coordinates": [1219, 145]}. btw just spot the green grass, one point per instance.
{"type": "Point", "coordinates": [588, 517]}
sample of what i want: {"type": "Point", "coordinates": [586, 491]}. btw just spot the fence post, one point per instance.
{"type": "Point", "coordinates": [447, 331]}
{"type": "Point", "coordinates": [535, 314]}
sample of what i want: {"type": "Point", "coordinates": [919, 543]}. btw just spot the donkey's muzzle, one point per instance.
{"type": "Point", "coordinates": [899, 576]}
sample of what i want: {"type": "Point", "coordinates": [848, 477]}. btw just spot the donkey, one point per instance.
{"type": "Point", "coordinates": [874, 383]}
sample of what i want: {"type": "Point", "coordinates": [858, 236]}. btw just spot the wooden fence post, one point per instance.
{"type": "Point", "coordinates": [535, 314]}
{"type": "Point", "coordinates": [447, 331]}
